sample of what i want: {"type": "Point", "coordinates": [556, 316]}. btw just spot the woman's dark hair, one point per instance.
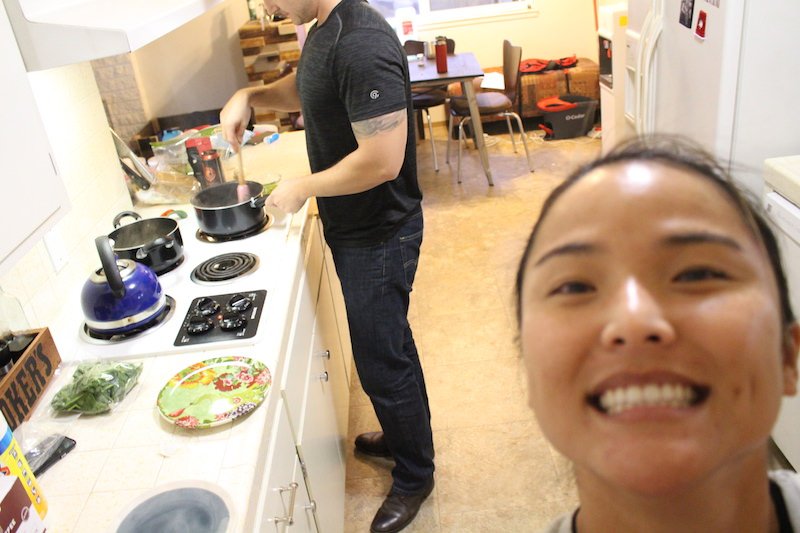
{"type": "Point", "coordinates": [679, 153]}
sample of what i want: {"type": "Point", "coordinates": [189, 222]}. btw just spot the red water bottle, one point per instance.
{"type": "Point", "coordinates": [441, 55]}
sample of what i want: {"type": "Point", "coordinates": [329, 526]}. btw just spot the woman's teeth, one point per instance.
{"type": "Point", "coordinates": [615, 401]}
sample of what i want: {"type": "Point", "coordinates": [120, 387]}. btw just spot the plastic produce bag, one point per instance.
{"type": "Point", "coordinates": [97, 387]}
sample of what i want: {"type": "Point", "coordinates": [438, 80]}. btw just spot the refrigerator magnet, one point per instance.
{"type": "Point", "coordinates": [687, 12]}
{"type": "Point", "coordinates": [700, 28]}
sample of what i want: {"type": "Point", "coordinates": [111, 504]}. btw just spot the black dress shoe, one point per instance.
{"type": "Point", "coordinates": [398, 511]}
{"type": "Point", "coordinates": [373, 444]}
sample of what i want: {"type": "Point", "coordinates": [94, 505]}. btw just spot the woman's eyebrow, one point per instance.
{"type": "Point", "coordinates": [701, 237]}
{"type": "Point", "coordinates": [573, 248]}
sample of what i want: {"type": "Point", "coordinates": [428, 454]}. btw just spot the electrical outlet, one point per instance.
{"type": "Point", "coordinates": [56, 249]}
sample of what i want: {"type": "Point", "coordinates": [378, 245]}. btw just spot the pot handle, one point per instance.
{"type": "Point", "coordinates": [257, 202]}
{"type": "Point", "coordinates": [109, 262]}
{"type": "Point", "coordinates": [133, 214]}
{"type": "Point", "coordinates": [144, 251]}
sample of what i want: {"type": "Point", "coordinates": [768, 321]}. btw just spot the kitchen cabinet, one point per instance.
{"type": "Point", "coordinates": [34, 197]}
{"type": "Point", "coordinates": [53, 33]}
{"type": "Point", "coordinates": [315, 384]}
{"type": "Point", "coordinates": [286, 506]}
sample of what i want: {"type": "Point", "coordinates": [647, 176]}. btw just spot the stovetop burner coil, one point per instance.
{"type": "Point", "coordinates": [225, 267]}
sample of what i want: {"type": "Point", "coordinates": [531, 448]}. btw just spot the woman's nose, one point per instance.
{"type": "Point", "coordinates": [636, 318]}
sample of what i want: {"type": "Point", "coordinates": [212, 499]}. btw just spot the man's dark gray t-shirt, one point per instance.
{"type": "Point", "coordinates": [353, 68]}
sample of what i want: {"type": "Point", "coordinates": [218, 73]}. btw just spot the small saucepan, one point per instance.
{"type": "Point", "coordinates": [153, 242]}
{"type": "Point", "coordinates": [220, 213]}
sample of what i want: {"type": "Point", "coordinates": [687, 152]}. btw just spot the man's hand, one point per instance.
{"type": "Point", "coordinates": [289, 196]}
{"type": "Point", "coordinates": [234, 118]}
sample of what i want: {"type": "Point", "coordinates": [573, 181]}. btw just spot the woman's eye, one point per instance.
{"type": "Point", "coordinates": [701, 274]}
{"type": "Point", "coordinates": [572, 287]}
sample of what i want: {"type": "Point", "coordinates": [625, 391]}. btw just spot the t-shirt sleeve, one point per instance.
{"type": "Point", "coordinates": [370, 72]}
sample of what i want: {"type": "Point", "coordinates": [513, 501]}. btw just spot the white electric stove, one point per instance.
{"type": "Point", "coordinates": [203, 314]}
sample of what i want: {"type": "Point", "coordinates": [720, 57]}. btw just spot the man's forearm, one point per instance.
{"type": "Point", "coordinates": [280, 95]}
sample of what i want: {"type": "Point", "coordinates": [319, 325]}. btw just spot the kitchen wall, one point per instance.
{"type": "Point", "coordinates": [550, 30]}
{"type": "Point", "coordinates": [196, 67]}
{"type": "Point", "coordinates": [185, 71]}
{"type": "Point", "coordinates": [73, 116]}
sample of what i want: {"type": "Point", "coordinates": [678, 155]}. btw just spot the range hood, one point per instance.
{"type": "Point", "coordinates": [53, 33]}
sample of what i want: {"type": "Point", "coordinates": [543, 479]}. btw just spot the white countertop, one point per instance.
{"type": "Point", "coordinates": [782, 174]}
{"type": "Point", "coordinates": [131, 450]}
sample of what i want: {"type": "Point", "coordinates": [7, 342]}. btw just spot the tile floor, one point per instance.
{"type": "Point", "coordinates": [494, 470]}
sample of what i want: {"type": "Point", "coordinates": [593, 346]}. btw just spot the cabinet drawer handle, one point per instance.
{"type": "Point", "coordinates": [323, 376]}
{"type": "Point", "coordinates": [325, 355]}
{"type": "Point", "coordinates": [289, 518]}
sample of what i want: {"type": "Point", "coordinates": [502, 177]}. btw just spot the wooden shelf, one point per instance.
{"type": "Point", "coordinates": [269, 52]}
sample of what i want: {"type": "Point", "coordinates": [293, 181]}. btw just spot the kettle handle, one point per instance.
{"type": "Point", "coordinates": [109, 262]}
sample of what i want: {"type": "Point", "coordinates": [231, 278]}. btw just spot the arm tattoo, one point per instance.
{"type": "Point", "coordinates": [373, 126]}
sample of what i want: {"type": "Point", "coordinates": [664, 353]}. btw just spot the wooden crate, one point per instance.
{"type": "Point", "coordinates": [23, 387]}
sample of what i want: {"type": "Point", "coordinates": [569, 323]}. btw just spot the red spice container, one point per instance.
{"type": "Point", "coordinates": [212, 169]}
{"type": "Point", "coordinates": [194, 147]}
{"type": "Point", "coordinates": [441, 55]}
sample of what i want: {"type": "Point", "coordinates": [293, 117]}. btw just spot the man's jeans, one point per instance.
{"type": "Point", "coordinates": [376, 283]}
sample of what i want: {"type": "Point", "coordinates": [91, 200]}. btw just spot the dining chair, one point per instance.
{"type": "Point", "coordinates": [425, 98]}
{"type": "Point", "coordinates": [491, 103]}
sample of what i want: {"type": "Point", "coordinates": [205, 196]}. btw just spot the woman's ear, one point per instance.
{"type": "Point", "coordinates": [790, 348]}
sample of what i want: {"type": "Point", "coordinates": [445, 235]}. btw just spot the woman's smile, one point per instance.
{"type": "Point", "coordinates": [651, 394]}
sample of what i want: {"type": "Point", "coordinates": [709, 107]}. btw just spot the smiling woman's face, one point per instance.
{"type": "Point", "coordinates": [651, 329]}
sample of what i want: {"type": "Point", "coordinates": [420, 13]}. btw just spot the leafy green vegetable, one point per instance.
{"type": "Point", "coordinates": [269, 187]}
{"type": "Point", "coordinates": [97, 387]}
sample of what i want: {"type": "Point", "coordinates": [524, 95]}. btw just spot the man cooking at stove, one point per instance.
{"type": "Point", "coordinates": [353, 89]}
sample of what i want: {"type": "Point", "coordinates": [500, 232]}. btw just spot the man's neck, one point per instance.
{"type": "Point", "coordinates": [325, 8]}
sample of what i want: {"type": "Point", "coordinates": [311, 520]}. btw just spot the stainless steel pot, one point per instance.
{"type": "Point", "coordinates": [153, 242]}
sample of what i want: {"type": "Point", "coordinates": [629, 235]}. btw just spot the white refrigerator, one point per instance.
{"type": "Point", "coordinates": [725, 73]}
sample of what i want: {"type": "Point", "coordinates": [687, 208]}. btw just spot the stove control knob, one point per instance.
{"type": "Point", "coordinates": [206, 306]}
{"type": "Point", "coordinates": [239, 303]}
{"type": "Point", "coordinates": [198, 325]}
{"type": "Point", "coordinates": [231, 321]}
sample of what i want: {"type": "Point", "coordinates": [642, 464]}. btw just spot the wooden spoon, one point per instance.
{"type": "Point", "coordinates": [243, 189]}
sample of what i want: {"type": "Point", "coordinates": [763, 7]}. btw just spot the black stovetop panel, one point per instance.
{"type": "Point", "coordinates": [208, 315]}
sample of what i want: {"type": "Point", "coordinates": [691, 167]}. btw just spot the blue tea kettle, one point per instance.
{"type": "Point", "coordinates": [122, 295]}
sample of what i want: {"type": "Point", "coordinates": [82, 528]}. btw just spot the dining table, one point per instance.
{"type": "Point", "coordinates": [461, 67]}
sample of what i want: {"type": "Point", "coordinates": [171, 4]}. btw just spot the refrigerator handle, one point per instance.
{"type": "Point", "coordinates": [640, 73]}
{"type": "Point", "coordinates": [648, 91]}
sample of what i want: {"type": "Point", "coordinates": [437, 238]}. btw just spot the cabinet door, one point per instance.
{"type": "Point", "coordinates": [302, 329]}
{"type": "Point", "coordinates": [285, 506]}
{"type": "Point", "coordinates": [339, 311]}
{"type": "Point", "coordinates": [33, 195]}
{"type": "Point", "coordinates": [328, 338]}
{"type": "Point", "coordinates": [320, 443]}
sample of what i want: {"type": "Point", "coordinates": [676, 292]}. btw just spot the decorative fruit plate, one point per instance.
{"type": "Point", "coordinates": [214, 392]}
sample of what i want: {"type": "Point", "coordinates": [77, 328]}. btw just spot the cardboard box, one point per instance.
{"type": "Point", "coordinates": [23, 387]}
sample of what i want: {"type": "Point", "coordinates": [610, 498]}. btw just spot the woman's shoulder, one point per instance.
{"type": "Point", "coordinates": [787, 480]}
{"type": "Point", "coordinates": [789, 483]}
